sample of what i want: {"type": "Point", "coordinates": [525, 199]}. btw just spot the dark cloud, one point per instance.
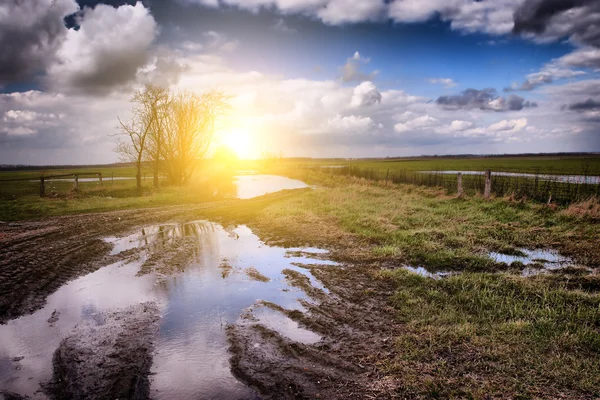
{"type": "Point", "coordinates": [485, 99]}
{"type": "Point", "coordinates": [470, 98]}
{"type": "Point", "coordinates": [514, 102]}
{"type": "Point", "coordinates": [30, 34]}
{"type": "Point", "coordinates": [560, 18]}
{"type": "Point", "coordinates": [588, 105]}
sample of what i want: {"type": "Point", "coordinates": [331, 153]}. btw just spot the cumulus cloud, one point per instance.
{"type": "Point", "coordinates": [458, 125]}
{"type": "Point", "coordinates": [350, 125]}
{"type": "Point", "coordinates": [446, 82]}
{"type": "Point", "coordinates": [508, 126]}
{"type": "Point", "coordinates": [31, 31]}
{"type": "Point", "coordinates": [365, 94]}
{"type": "Point", "coordinates": [107, 50]}
{"type": "Point", "coordinates": [485, 99]}
{"type": "Point", "coordinates": [423, 121]}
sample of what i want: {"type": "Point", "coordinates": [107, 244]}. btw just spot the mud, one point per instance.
{"type": "Point", "coordinates": [107, 357]}
{"type": "Point", "coordinates": [355, 335]}
{"type": "Point", "coordinates": [345, 317]}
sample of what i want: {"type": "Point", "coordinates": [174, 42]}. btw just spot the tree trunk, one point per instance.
{"type": "Point", "coordinates": [138, 179]}
{"type": "Point", "coordinates": [156, 164]}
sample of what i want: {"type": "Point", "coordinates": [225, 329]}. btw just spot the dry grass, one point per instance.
{"type": "Point", "coordinates": [589, 209]}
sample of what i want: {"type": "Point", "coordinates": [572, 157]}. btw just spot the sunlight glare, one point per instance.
{"type": "Point", "coordinates": [240, 141]}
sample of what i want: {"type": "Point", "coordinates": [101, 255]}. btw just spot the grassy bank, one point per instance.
{"type": "Point", "coordinates": [485, 331]}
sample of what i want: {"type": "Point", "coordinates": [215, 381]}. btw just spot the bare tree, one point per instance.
{"type": "Point", "coordinates": [159, 102]}
{"type": "Point", "coordinates": [192, 124]}
{"type": "Point", "coordinates": [137, 130]}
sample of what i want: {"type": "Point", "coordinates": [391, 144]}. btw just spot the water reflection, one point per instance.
{"type": "Point", "coordinates": [249, 186]}
{"type": "Point", "coordinates": [191, 359]}
{"type": "Point", "coordinates": [546, 259]}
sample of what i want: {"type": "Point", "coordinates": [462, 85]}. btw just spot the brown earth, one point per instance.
{"type": "Point", "coordinates": [37, 257]}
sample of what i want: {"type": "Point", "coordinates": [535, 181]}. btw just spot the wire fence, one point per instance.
{"type": "Point", "coordinates": [62, 185]}
{"type": "Point", "coordinates": [560, 189]}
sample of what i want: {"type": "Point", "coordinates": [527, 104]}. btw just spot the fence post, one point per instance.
{"type": "Point", "coordinates": [76, 187]}
{"type": "Point", "coordinates": [42, 187]}
{"type": "Point", "coordinates": [460, 186]}
{"type": "Point", "coordinates": [488, 184]}
{"type": "Point", "coordinates": [100, 178]}
{"type": "Point", "coordinates": [387, 175]}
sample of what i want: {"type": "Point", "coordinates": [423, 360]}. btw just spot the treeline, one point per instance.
{"type": "Point", "coordinates": [171, 132]}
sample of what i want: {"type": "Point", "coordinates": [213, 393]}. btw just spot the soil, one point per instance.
{"type": "Point", "coordinates": [37, 257]}
{"type": "Point", "coordinates": [107, 357]}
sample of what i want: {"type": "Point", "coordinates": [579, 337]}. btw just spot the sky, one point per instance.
{"type": "Point", "coordinates": [309, 78]}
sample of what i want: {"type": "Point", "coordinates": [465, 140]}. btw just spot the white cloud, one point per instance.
{"type": "Point", "coordinates": [508, 126]}
{"type": "Point", "coordinates": [424, 121]}
{"type": "Point", "coordinates": [107, 50]}
{"type": "Point", "coordinates": [351, 124]}
{"type": "Point", "coordinates": [458, 125]}
{"type": "Point", "coordinates": [365, 94]}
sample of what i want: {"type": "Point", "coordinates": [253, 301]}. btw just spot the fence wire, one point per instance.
{"type": "Point", "coordinates": [559, 189]}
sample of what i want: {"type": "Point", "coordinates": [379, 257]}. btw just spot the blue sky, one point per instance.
{"type": "Point", "coordinates": [339, 78]}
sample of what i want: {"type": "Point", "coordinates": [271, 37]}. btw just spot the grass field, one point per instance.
{"type": "Point", "coordinates": [20, 199]}
{"type": "Point", "coordinates": [483, 331]}
{"type": "Point", "coordinates": [571, 165]}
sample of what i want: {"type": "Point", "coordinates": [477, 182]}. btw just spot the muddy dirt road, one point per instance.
{"type": "Point", "coordinates": [286, 323]}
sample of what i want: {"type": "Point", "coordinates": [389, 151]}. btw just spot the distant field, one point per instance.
{"type": "Point", "coordinates": [571, 165]}
{"type": "Point", "coordinates": [106, 171]}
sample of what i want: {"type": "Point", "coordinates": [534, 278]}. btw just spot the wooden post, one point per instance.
{"type": "Point", "coordinates": [42, 187]}
{"type": "Point", "coordinates": [387, 175]}
{"type": "Point", "coordinates": [76, 187]}
{"type": "Point", "coordinates": [460, 186]}
{"type": "Point", "coordinates": [100, 178]}
{"type": "Point", "coordinates": [488, 184]}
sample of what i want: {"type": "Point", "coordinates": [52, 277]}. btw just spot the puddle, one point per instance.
{"type": "Point", "coordinates": [590, 180]}
{"type": "Point", "coordinates": [191, 357]}
{"type": "Point", "coordinates": [249, 186]}
{"type": "Point", "coordinates": [546, 258]}
{"type": "Point", "coordinates": [423, 272]}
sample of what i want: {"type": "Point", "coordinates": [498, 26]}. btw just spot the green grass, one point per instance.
{"type": "Point", "coordinates": [526, 339]}
{"type": "Point", "coordinates": [107, 172]}
{"type": "Point", "coordinates": [482, 332]}
{"type": "Point", "coordinates": [575, 165]}
{"type": "Point", "coordinates": [475, 334]}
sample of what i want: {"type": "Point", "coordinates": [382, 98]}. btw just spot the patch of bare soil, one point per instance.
{"type": "Point", "coordinates": [356, 333]}
{"type": "Point", "coordinates": [255, 275]}
{"type": "Point", "coordinates": [108, 357]}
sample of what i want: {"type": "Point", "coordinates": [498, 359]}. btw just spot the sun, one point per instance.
{"type": "Point", "coordinates": [240, 141]}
